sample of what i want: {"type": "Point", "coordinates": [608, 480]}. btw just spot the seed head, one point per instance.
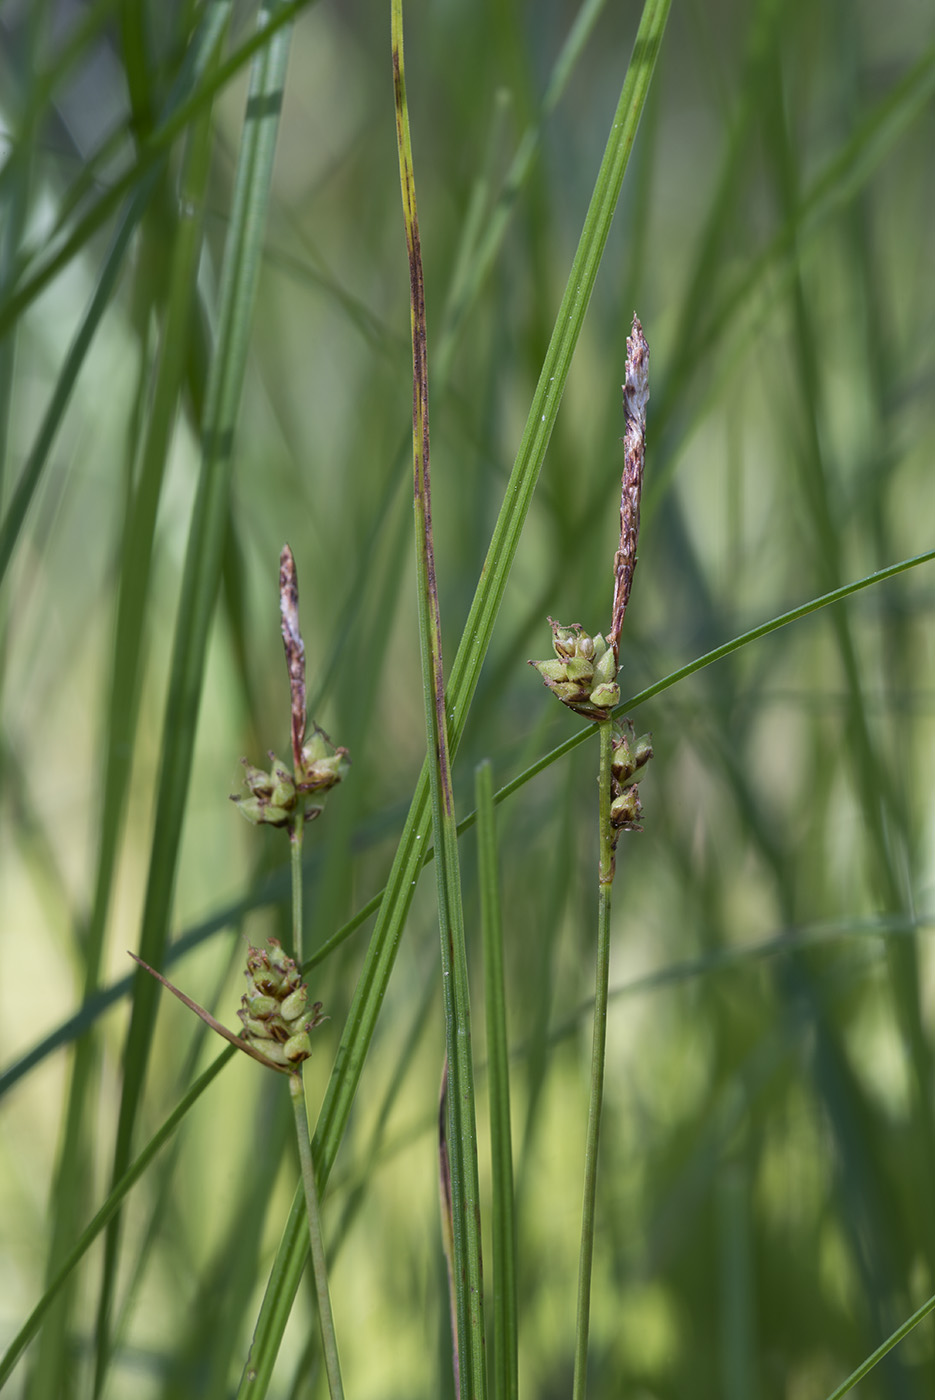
{"type": "Point", "coordinates": [626, 765]}
{"type": "Point", "coordinates": [281, 798]}
{"type": "Point", "coordinates": [582, 675]}
{"type": "Point", "coordinates": [274, 1009]}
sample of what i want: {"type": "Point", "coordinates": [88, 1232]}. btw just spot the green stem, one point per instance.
{"type": "Point", "coordinates": [903, 1330]}
{"type": "Point", "coordinates": [505, 1364]}
{"type": "Point", "coordinates": [598, 1044]}
{"type": "Point", "coordinates": [328, 1340]}
{"type": "Point", "coordinates": [296, 831]}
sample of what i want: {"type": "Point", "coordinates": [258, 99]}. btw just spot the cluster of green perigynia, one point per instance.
{"type": "Point", "coordinates": [274, 1010]}
{"type": "Point", "coordinates": [625, 810]}
{"type": "Point", "coordinates": [322, 767]}
{"type": "Point", "coordinates": [582, 675]}
{"type": "Point", "coordinates": [273, 797]}
{"type": "Point", "coordinates": [270, 796]}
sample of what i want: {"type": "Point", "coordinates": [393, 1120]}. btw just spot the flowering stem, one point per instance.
{"type": "Point", "coordinates": [598, 1044]}
{"type": "Point", "coordinates": [296, 831]}
{"type": "Point", "coordinates": [325, 1316]}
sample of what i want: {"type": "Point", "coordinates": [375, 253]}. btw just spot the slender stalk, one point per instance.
{"type": "Point", "coordinates": [598, 1043]}
{"type": "Point", "coordinates": [325, 1316]}
{"type": "Point", "coordinates": [867, 1365]}
{"type": "Point", "coordinates": [504, 1360]}
{"type": "Point", "coordinates": [296, 832]}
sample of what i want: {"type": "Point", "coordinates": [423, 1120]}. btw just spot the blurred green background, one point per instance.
{"type": "Point", "coordinates": [766, 1201]}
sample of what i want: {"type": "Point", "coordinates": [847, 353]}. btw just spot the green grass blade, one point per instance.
{"type": "Point", "coordinates": [67, 1206]}
{"type": "Point", "coordinates": [200, 586]}
{"type": "Point", "coordinates": [870, 771]}
{"type": "Point", "coordinates": [14, 202]}
{"type": "Point", "coordinates": [152, 152]}
{"type": "Point", "coordinates": [461, 1125]}
{"type": "Point", "coordinates": [504, 1352]}
{"type": "Point", "coordinates": [710, 657]}
{"type": "Point", "coordinates": [846, 172]}
{"type": "Point", "coordinates": [106, 1214]}
{"type": "Point", "coordinates": [82, 1020]}
{"type": "Point", "coordinates": [764, 1040]}
{"type": "Point", "coordinates": [137, 64]}
{"type": "Point", "coordinates": [204, 47]}
{"type": "Point", "coordinates": [867, 1366]}
{"type": "Point", "coordinates": [280, 1292]}
{"type": "Point", "coordinates": [475, 263]}
{"type": "Point", "coordinates": [31, 474]}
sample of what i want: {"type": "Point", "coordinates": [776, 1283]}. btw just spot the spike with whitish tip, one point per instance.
{"type": "Point", "coordinates": [281, 798]}
{"type": "Point", "coordinates": [294, 647]}
{"type": "Point", "coordinates": [635, 398]}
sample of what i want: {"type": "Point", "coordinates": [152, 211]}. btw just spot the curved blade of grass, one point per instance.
{"type": "Point", "coordinates": [47, 81]}
{"type": "Point", "coordinates": [766, 19]}
{"type": "Point", "coordinates": [151, 152]}
{"type": "Point", "coordinates": [77, 1024]}
{"type": "Point", "coordinates": [708, 659]}
{"type": "Point", "coordinates": [866, 1366]}
{"type": "Point", "coordinates": [504, 1352]}
{"type": "Point", "coordinates": [31, 474]}
{"type": "Point", "coordinates": [106, 1214]}
{"type": "Point", "coordinates": [788, 941]}
{"type": "Point", "coordinates": [44, 82]}
{"type": "Point", "coordinates": [461, 1126]}
{"type": "Point", "coordinates": [14, 212]}
{"type": "Point", "coordinates": [475, 640]}
{"type": "Point", "coordinates": [871, 774]}
{"type": "Point", "coordinates": [203, 51]}
{"type": "Point", "coordinates": [14, 202]}
{"type": "Point", "coordinates": [775, 946]}
{"type": "Point", "coordinates": [474, 265]}
{"type": "Point", "coordinates": [68, 1199]}
{"type": "Point", "coordinates": [278, 1289]}
{"type": "Point", "coordinates": [848, 170]}
{"type": "Point", "coordinates": [199, 587]}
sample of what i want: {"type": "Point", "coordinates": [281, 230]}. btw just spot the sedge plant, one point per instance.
{"type": "Point", "coordinates": [275, 1012]}
{"type": "Point", "coordinates": [792, 663]}
{"type": "Point", "coordinates": [583, 675]}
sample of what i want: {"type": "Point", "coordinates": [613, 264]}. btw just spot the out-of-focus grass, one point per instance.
{"type": "Point", "coordinates": [765, 1208]}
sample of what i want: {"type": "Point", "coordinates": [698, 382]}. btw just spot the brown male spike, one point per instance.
{"type": "Point", "coordinates": [635, 398]}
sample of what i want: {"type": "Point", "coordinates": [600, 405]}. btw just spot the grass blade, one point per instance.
{"type": "Point", "coordinates": [141, 191]}
{"type": "Point", "coordinates": [199, 588]}
{"type": "Point", "coordinates": [461, 1126]}
{"type": "Point", "coordinates": [77, 1024]}
{"type": "Point", "coordinates": [152, 152]}
{"type": "Point", "coordinates": [867, 1366]}
{"type": "Point", "coordinates": [68, 1195]}
{"type": "Point", "coordinates": [106, 1214]}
